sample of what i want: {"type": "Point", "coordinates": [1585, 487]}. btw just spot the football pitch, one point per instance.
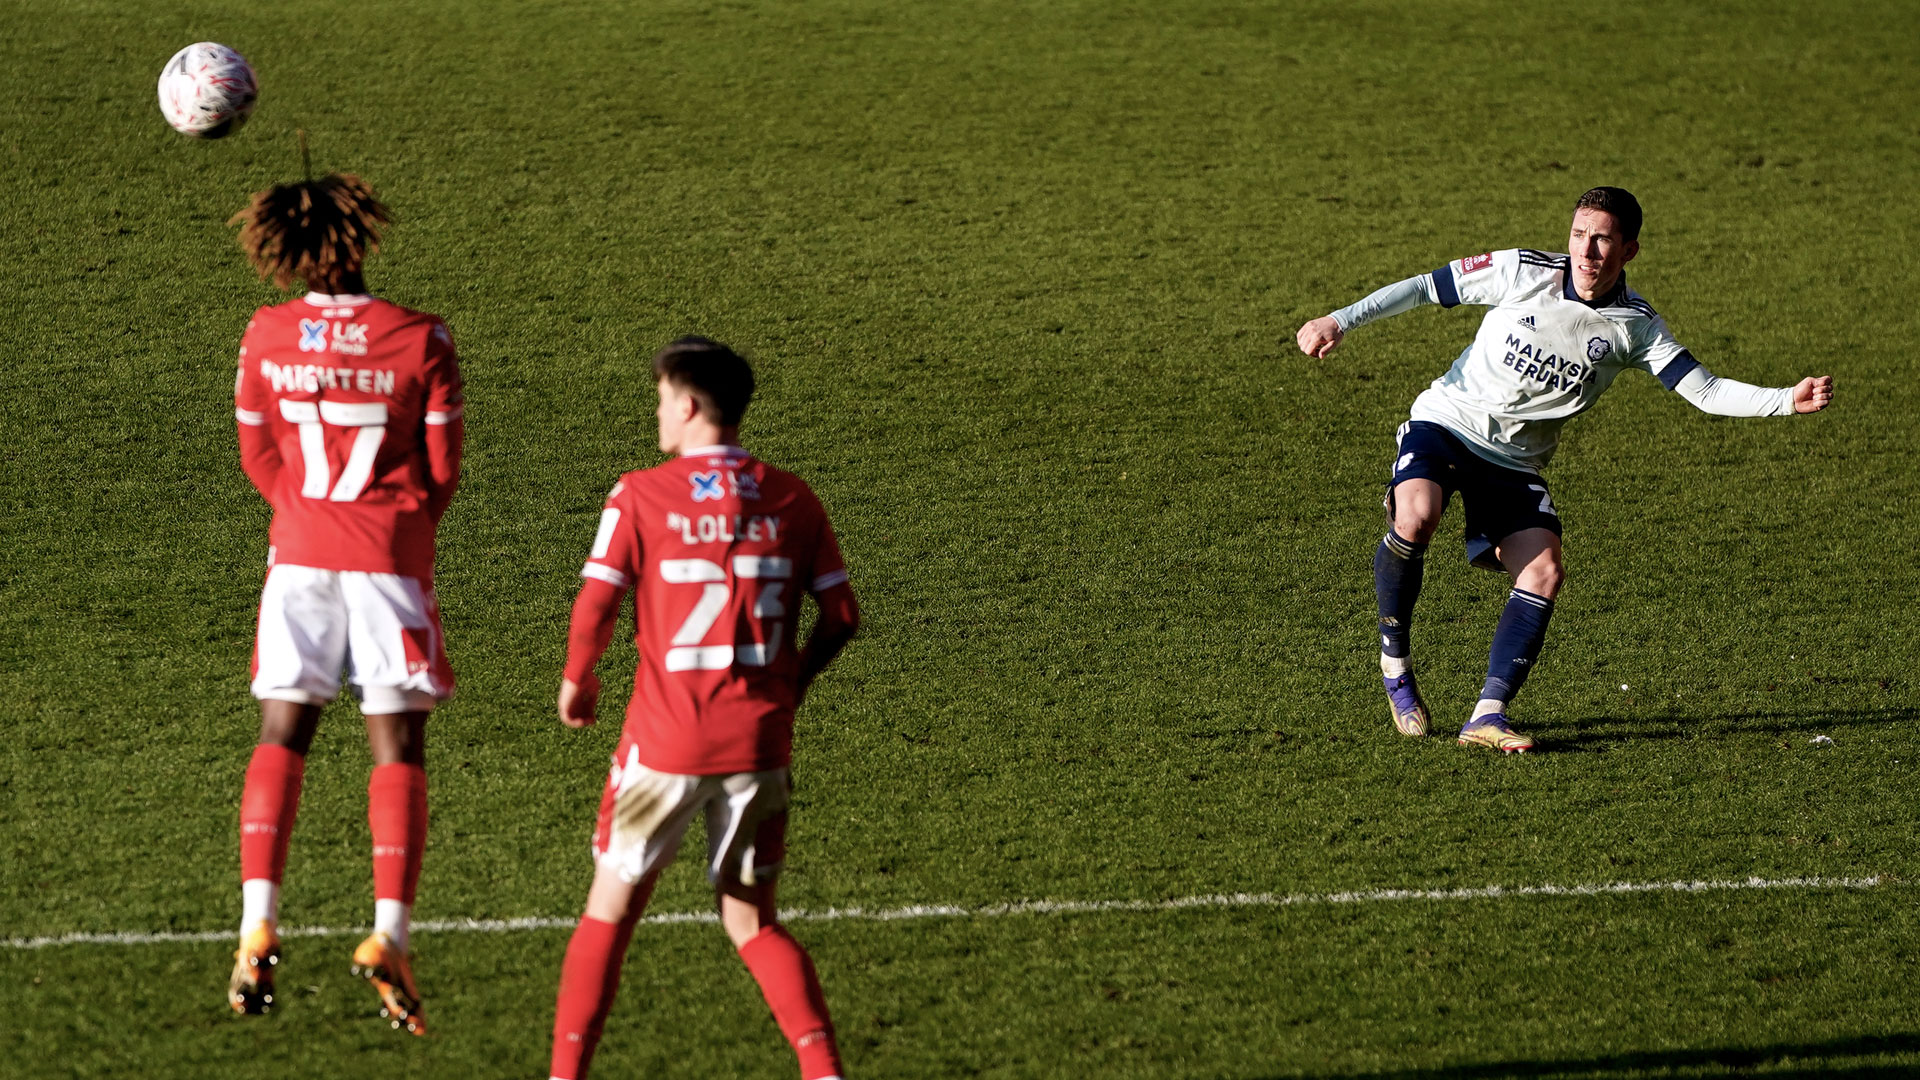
{"type": "Point", "coordinates": [1106, 787]}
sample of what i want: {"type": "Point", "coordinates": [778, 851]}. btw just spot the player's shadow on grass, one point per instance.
{"type": "Point", "coordinates": [1601, 732]}
{"type": "Point", "coordinates": [1781, 1060]}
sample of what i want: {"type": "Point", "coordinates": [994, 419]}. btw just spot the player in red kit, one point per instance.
{"type": "Point", "coordinates": [717, 548]}
{"type": "Point", "coordinates": [349, 412]}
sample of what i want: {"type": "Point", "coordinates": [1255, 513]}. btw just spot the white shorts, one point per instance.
{"type": "Point", "coordinates": [644, 814]}
{"type": "Point", "coordinates": [387, 627]}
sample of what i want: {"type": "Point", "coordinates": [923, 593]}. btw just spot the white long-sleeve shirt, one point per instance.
{"type": "Point", "coordinates": [1543, 355]}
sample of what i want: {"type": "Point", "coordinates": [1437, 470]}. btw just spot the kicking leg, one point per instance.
{"type": "Point", "coordinates": [785, 974]}
{"type": "Point", "coordinates": [1533, 556]}
{"type": "Point", "coordinates": [1399, 566]}
{"type": "Point", "coordinates": [590, 974]}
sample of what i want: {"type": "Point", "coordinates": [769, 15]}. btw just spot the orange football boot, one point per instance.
{"type": "Point", "coordinates": [250, 990]}
{"type": "Point", "coordinates": [390, 972]}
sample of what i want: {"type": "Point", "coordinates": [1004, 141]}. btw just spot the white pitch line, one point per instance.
{"type": "Point", "coordinates": [989, 911]}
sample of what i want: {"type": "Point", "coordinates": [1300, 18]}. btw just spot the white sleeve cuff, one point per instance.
{"type": "Point", "coordinates": [828, 580]}
{"type": "Point", "coordinates": [608, 574]}
{"type": "Point", "coordinates": [249, 417]}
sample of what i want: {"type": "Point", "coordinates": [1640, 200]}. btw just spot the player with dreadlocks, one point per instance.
{"type": "Point", "coordinates": [349, 412]}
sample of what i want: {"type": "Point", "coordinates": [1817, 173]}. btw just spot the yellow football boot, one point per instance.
{"type": "Point", "coordinates": [1492, 730]}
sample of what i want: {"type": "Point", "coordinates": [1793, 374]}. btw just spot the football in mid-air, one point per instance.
{"type": "Point", "coordinates": [207, 91]}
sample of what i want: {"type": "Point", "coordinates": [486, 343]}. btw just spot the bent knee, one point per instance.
{"type": "Point", "coordinates": [1416, 527]}
{"type": "Point", "coordinates": [1416, 519]}
{"type": "Point", "coordinates": [1419, 531]}
{"type": "Point", "coordinates": [1544, 576]}
{"type": "Point", "coordinates": [1417, 505]}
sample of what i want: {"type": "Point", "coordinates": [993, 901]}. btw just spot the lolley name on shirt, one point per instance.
{"type": "Point", "coordinates": [724, 528]}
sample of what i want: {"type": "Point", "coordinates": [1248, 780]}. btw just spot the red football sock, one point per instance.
{"type": "Point", "coordinates": [589, 979]}
{"type": "Point", "coordinates": [397, 814]}
{"type": "Point", "coordinates": [268, 804]}
{"type": "Point", "coordinates": [792, 989]}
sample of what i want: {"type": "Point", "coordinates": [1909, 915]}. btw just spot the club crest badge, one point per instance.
{"type": "Point", "coordinates": [1598, 348]}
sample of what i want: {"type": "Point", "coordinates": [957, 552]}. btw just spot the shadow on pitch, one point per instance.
{"type": "Point", "coordinates": [1599, 732]}
{"type": "Point", "coordinates": [1781, 1061]}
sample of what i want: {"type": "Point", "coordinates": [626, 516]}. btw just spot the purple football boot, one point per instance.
{"type": "Point", "coordinates": [1409, 712]}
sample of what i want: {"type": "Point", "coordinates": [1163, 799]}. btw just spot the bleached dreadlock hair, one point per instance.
{"type": "Point", "coordinates": [313, 230]}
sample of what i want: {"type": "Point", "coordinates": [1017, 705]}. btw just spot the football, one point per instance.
{"type": "Point", "coordinates": [207, 91]}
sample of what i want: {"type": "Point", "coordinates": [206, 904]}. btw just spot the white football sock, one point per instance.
{"type": "Point", "coordinates": [1486, 706]}
{"type": "Point", "coordinates": [259, 903]}
{"type": "Point", "coordinates": [391, 917]}
{"type": "Point", "coordinates": [1395, 666]}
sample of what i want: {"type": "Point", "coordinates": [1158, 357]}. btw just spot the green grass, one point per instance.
{"type": "Point", "coordinates": [1021, 283]}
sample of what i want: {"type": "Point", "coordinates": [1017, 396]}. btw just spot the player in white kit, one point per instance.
{"type": "Point", "coordinates": [1559, 329]}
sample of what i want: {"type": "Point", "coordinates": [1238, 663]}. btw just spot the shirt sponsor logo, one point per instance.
{"type": "Point", "coordinates": [1538, 365]}
{"type": "Point", "coordinates": [1476, 263]}
{"type": "Point", "coordinates": [313, 335]}
{"type": "Point", "coordinates": [706, 485]}
{"type": "Point", "coordinates": [1598, 348]}
{"type": "Point", "coordinates": [348, 338]}
{"type": "Point", "coordinates": [744, 485]}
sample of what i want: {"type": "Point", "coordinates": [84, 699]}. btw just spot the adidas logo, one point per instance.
{"type": "Point", "coordinates": [1528, 323]}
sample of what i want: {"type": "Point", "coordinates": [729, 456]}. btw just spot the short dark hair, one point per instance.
{"type": "Point", "coordinates": [1616, 201]}
{"type": "Point", "coordinates": [720, 379]}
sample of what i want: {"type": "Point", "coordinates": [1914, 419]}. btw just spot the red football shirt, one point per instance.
{"type": "Point", "coordinates": [344, 388]}
{"type": "Point", "coordinates": [717, 548]}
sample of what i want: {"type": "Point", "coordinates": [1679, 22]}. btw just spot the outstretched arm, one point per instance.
{"type": "Point", "coordinates": [1318, 337]}
{"type": "Point", "coordinates": [1730, 397]}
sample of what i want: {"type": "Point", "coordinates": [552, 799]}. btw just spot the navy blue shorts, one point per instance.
{"type": "Point", "coordinates": [1500, 501]}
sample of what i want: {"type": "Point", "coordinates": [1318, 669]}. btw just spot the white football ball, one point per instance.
{"type": "Point", "coordinates": [207, 91]}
